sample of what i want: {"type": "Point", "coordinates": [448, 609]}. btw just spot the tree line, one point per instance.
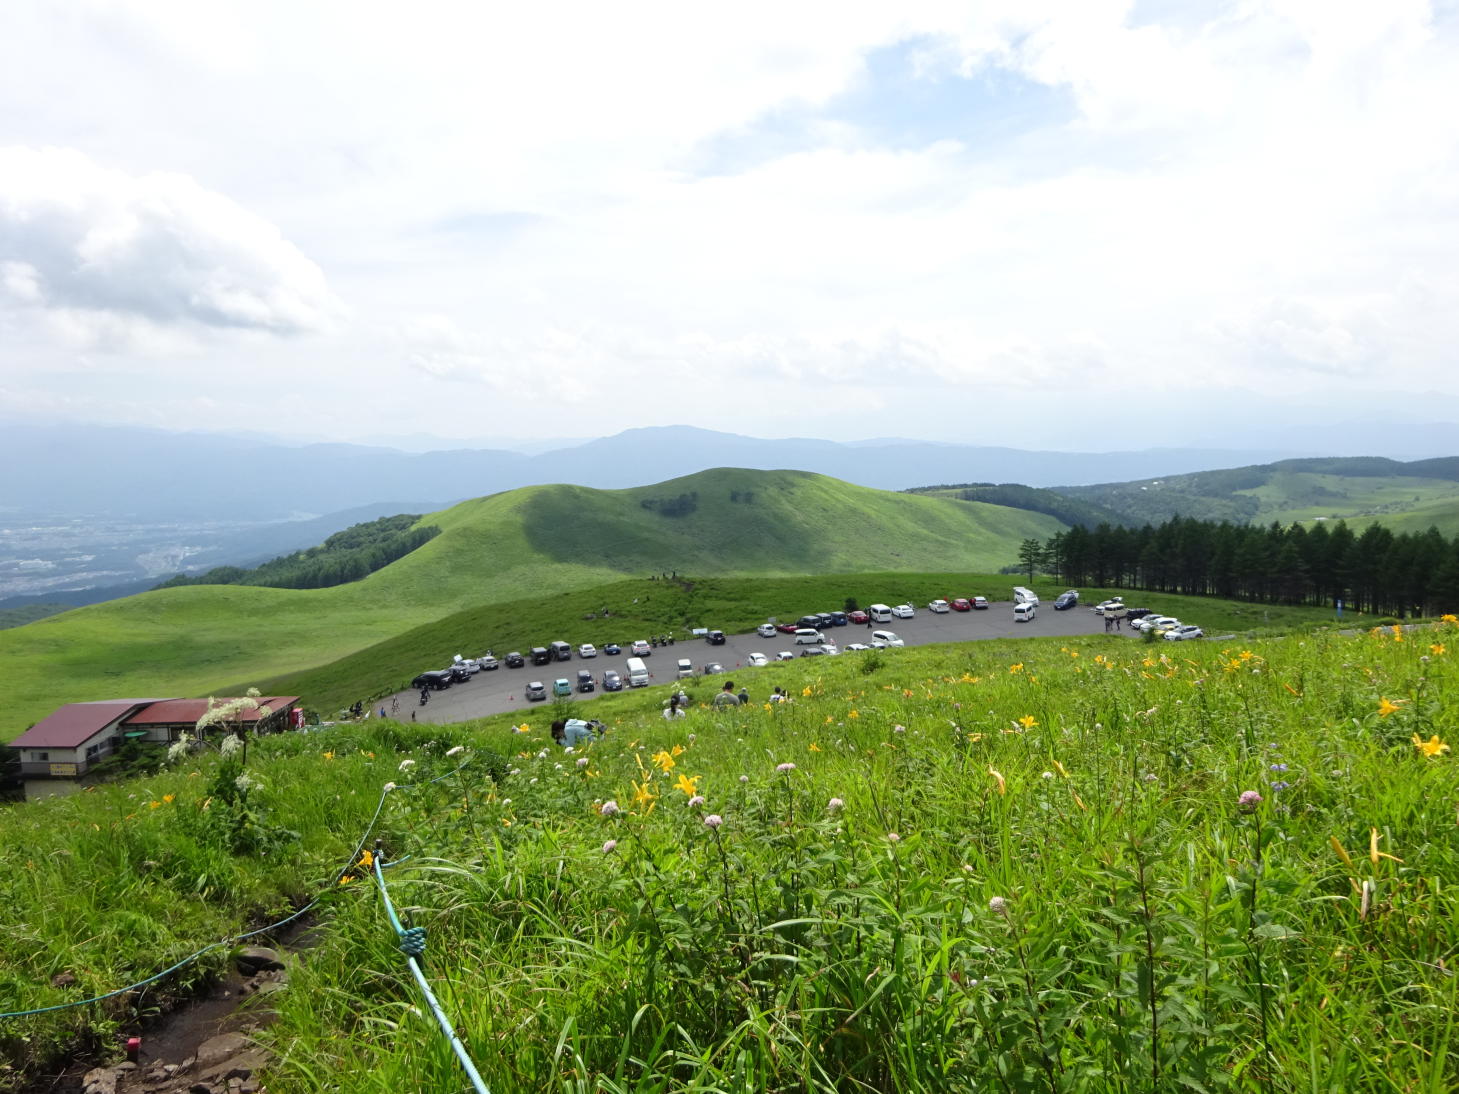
{"type": "Point", "coordinates": [1375, 570]}
{"type": "Point", "coordinates": [346, 556]}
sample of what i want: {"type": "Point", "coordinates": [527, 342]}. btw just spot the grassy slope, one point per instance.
{"type": "Point", "coordinates": [1292, 496]}
{"type": "Point", "coordinates": [537, 541]}
{"type": "Point", "coordinates": [1127, 762]}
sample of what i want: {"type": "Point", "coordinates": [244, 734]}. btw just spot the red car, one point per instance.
{"type": "Point", "coordinates": [786, 628]}
{"type": "Point", "coordinates": [858, 617]}
{"type": "Point", "coordinates": [960, 604]}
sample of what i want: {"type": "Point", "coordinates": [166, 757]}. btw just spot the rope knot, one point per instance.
{"type": "Point", "coordinates": [413, 941]}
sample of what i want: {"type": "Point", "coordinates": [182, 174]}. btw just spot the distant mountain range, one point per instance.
{"type": "Point", "coordinates": [156, 475]}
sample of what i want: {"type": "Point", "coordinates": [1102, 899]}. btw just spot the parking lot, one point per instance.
{"type": "Point", "coordinates": [504, 689]}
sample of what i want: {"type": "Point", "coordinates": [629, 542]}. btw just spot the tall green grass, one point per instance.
{"type": "Point", "coordinates": [1037, 874]}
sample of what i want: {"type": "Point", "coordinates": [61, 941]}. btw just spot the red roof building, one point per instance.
{"type": "Point", "coordinates": [68, 741]}
{"type": "Point", "coordinates": [168, 719]}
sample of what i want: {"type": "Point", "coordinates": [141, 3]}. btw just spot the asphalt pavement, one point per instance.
{"type": "Point", "coordinates": [504, 689]}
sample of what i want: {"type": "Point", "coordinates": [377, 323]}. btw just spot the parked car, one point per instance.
{"type": "Point", "coordinates": [1157, 623]}
{"type": "Point", "coordinates": [612, 681]}
{"type": "Point", "coordinates": [881, 640]}
{"type": "Point", "coordinates": [541, 655]}
{"type": "Point", "coordinates": [612, 649]}
{"type": "Point", "coordinates": [960, 604]}
{"type": "Point", "coordinates": [827, 619]}
{"type": "Point", "coordinates": [859, 617]}
{"type": "Point", "coordinates": [1183, 633]}
{"type": "Point", "coordinates": [766, 630]}
{"type": "Point", "coordinates": [1112, 602]}
{"type": "Point", "coordinates": [587, 649]}
{"type": "Point", "coordinates": [785, 655]}
{"type": "Point", "coordinates": [980, 603]}
{"type": "Point", "coordinates": [458, 674]}
{"type": "Point", "coordinates": [839, 619]}
{"type": "Point", "coordinates": [856, 646]}
{"type": "Point", "coordinates": [787, 628]}
{"type": "Point", "coordinates": [811, 621]}
{"type": "Point", "coordinates": [938, 606]}
{"type": "Point", "coordinates": [1133, 614]}
{"type": "Point", "coordinates": [755, 660]}
{"type": "Point", "coordinates": [536, 691]}
{"type": "Point", "coordinates": [685, 668]}
{"type": "Point", "coordinates": [813, 651]}
{"type": "Point", "coordinates": [561, 686]}
{"type": "Point", "coordinates": [641, 648]}
{"type": "Point", "coordinates": [515, 660]}
{"type": "Point", "coordinates": [488, 663]}
{"type": "Point", "coordinates": [830, 647]}
{"type": "Point", "coordinates": [904, 611]}
{"type": "Point", "coordinates": [714, 668]}
{"type": "Point", "coordinates": [469, 664]}
{"type": "Point", "coordinates": [585, 681]}
{"type": "Point", "coordinates": [807, 636]}
{"type": "Point", "coordinates": [1064, 601]}
{"type": "Point", "coordinates": [715, 638]}
{"type": "Point", "coordinates": [436, 679]}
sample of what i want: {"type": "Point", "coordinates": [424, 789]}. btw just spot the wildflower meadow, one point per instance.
{"type": "Point", "coordinates": [1101, 865]}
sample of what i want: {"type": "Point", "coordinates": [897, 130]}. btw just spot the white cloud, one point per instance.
{"type": "Point", "coordinates": [112, 256]}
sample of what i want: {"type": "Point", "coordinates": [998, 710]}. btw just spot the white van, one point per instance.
{"type": "Point", "coordinates": [1025, 612]}
{"type": "Point", "coordinates": [808, 636]}
{"type": "Point", "coordinates": [880, 613]}
{"type": "Point", "coordinates": [637, 673]}
{"type": "Point", "coordinates": [1025, 596]}
{"type": "Point", "coordinates": [686, 668]}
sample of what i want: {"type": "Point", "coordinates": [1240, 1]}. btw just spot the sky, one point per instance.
{"type": "Point", "coordinates": [1093, 224]}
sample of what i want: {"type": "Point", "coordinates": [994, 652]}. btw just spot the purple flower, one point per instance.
{"type": "Point", "coordinates": [714, 820]}
{"type": "Point", "coordinates": [1279, 767]}
{"type": "Point", "coordinates": [1248, 801]}
{"type": "Point", "coordinates": [785, 769]}
{"type": "Point", "coordinates": [696, 801]}
{"type": "Point", "coordinates": [998, 906]}
{"type": "Point", "coordinates": [610, 847]}
{"type": "Point", "coordinates": [1280, 785]}
{"type": "Point", "coordinates": [609, 809]}
{"type": "Point", "coordinates": [744, 779]}
{"type": "Point", "coordinates": [835, 805]}
{"type": "Point", "coordinates": [892, 837]}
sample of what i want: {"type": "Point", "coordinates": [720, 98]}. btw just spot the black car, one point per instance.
{"type": "Point", "coordinates": [1138, 613]}
{"type": "Point", "coordinates": [459, 674]}
{"type": "Point", "coordinates": [612, 649]}
{"type": "Point", "coordinates": [825, 619]}
{"type": "Point", "coordinates": [585, 681]}
{"type": "Point", "coordinates": [715, 638]}
{"type": "Point", "coordinates": [541, 656]}
{"type": "Point", "coordinates": [811, 621]}
{"type": "Point", "coordinates": [1064, 601]}
{"type": "Point", "coordinates": [515, 660]}
{"type": "Point", "coordinates": [436, 679]}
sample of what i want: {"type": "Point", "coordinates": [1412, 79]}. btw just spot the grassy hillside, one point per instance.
{"type": "Point", "coordinates": [1360, 490]}
{"type": "Point", "coordinates": [1065, 865]}
{"type": "Point", "coordinates": [533, 543]}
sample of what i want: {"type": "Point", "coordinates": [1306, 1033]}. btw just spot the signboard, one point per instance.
{"type": "Point", "coordinates": [64, 770]}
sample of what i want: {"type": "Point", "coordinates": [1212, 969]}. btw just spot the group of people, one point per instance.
{"type": "Point", "coordinates": [571, 732]}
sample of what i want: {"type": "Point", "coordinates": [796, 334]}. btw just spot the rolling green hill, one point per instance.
{"type": "Point", "coordinates": [1361, 490]}
{"type": "Point", "coordinates": [534, 542]}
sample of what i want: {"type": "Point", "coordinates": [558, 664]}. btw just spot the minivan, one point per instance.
{"type": "Point", "coordinates": [808, 636]}
{"type": "Point", "coordinates": [561, 651]}
{"type": "Point", "coordinates": [1025, 612]}
{"type": "Point", "coordinates": [880, 613]}
{"type": "Point", "coordinates": [686, 668]}
{"type": "Point", "coordinates": [637, 673]}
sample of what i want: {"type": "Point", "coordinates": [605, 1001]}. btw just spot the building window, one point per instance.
{"type": "Point", "coordinates": [42, 757]}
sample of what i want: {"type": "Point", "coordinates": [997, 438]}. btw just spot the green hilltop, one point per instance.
{"type": "Point", "coordinates": [1361, 490]}
{"type": "Point", "coordinates": [534, 542]}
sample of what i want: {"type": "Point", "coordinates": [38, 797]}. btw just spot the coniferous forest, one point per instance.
{"type": "Point", "coordinates": [1374, 571]}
